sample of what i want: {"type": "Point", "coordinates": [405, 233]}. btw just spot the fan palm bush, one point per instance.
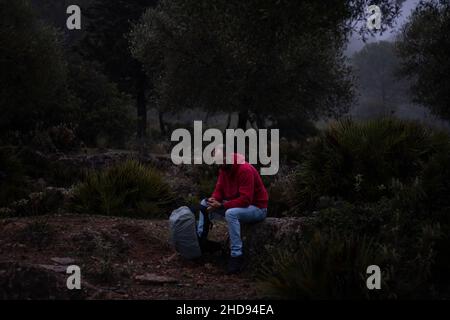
{"type": "Point", "coordinates": [125, 189]}
{"type": "Point", "coordinates": [377, 193]}
{"type": "Point", "coordinates": [357, 161]}
{"type": "Point", "coordinates": [435, 177]}
{"type": "Point", "coordinates": [331, 260]}
{"type": "Point", "coordinates": [328, 266]}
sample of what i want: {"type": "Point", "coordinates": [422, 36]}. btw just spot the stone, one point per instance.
{"type": "Point", "coordinates": [151, 278]}
{"type": "Point", "coordinates": [209, 266]}
{"type": "Point", "coordinates": [54, 268]}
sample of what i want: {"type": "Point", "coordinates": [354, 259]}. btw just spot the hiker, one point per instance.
{"type": "Point", "coordinates": [239, 196]}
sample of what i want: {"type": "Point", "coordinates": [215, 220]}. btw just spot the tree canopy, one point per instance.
{"type": "Point", "coordinates": [424, 46]}
{"type": "Point", "coordinates": [43, 85]}
{"type": "Point", "coordinates": [105, 42]}
{"type": "Point", "coordinates": [268, 58]}
{"type": "Point", "coordinates": [33, 70]}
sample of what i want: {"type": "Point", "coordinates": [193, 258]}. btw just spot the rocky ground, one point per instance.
{"type": "Point", "coordinates": [119, 259]}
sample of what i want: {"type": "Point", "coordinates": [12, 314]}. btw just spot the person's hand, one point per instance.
{"type": "Point", "coordinates": [210, 199]}
{"type": "Point", "coordinates": [214, 204]}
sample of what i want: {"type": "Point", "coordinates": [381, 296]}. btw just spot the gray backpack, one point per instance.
{"type": "Point", "coordinates": [183, 233]}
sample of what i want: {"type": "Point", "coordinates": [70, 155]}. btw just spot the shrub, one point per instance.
{"type": "Point", "coordinates": [40, 141]}
{"type": "Point", "coordinates": [329, 266]}
{"type": "Point", "coordinates": [279, 191]}
{"type": "Point", "coordinates": [103, 114]}
{"type": "Point", "coordinates": [64, 138]}
{"type": "Point", "coordinates": [411, 247]}
{"type": "Point", "coordinates": [61, 174]}
{"type": "Point", "coordinates": [204, 177]}
{"type": "Point", "coordinates": [384, 183]}
{"type": "Point", "coordinates": [331, 262]}
{"type": "Point", "coordinates": [56, 173]}
{"type": "Point", "coordinates": [13, 183]}
{"type": "Point", "coordinates": [358, 161]}
{"type": "Point", "coordinates": [33, 80]}
{"type": "Point", "coordinates": [126, 189]}
{"type": "Point", "coordinates": [58, 138]}
{"type": "Point", "coordinates": [49, 201]}
{"type": "Point", "coordinates": [105, 247]}
{"type": "Point", "coordinates": [292, 151]}
{"type": "Point", "coordinates": [435, 177]}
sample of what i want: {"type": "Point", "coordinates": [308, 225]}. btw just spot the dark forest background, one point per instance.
{"type": "Point", "coordinates": [364, 138]}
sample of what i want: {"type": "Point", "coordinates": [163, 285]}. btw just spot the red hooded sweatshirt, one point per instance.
{"type": "Point", "coordinates": [241, 186]}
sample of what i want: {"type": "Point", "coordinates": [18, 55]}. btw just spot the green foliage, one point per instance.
{"type": "Point", "coordinates": [279, 190]}
{"type": "Point", "coordinates": [424, 47]}
{"type": "Point", "coordinates": [435, 177]}
{"type": "Point", "coordinates": [105, 248]}
{"type": "Point", "coordinates": [344, 239]}
{"type": "Point", "coordinates": [327, 266]}
{"type": "Point", "coordinates": [269, 58]}
{"type": "Point", "coordinates": [13, 183]}
{"type": "Point", "coordinates": [32, 81]}
{"type": "Point", "coordinates": [49, 102]}
{"type": "Point", "coordinates": [206, 187]}
{"type": "Point", "coordinates": [294, 127]}
{"type": "Point", "coordinates": [360, 161]}
{"type": "Point", "coordinates": [227, 56]}
{"type": "Point", "coordinates": [105, 42]}
{"type": "Point", "coordinates": [205, 177]}
{"type": "Point", "coordinates": [104, 114]}
{"type": "Point", "coordinates": [410, 236]}
{"type": "Point", "coordinates": [58, 138]}
{"type": "Point", "coordinates": [291, 151]}
{"type": "Point", "coordinates": [127, 189]}
{"type": "Point", "coordinates": [56, 173]}
{"type": "Point", "coordinates": [64, 138]}
{"type": "Point", "coordinates": [385, 182]}
{"type": "Point", "coordinates": [50, 97]}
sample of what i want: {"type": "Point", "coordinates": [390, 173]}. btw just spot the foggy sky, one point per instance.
{"type": "Point", "coordinates": [355, 43]}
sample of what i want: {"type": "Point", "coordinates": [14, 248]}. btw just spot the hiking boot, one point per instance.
{"type": "Point", "coordinates": [235, 265]}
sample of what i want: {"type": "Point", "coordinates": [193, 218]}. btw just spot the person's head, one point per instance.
{"type": "Point", "coordinates": [220, 157]}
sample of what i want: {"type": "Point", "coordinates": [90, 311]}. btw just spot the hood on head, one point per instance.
{"type": "Point", "coordinates": [235, 159]}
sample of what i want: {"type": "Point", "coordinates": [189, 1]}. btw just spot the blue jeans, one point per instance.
{"type": "Point", "coordinates": [234, 217]}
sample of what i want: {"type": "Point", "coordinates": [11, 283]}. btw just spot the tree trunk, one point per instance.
{"type": "Point", "coordinates": [228, 120]}
{"type": "Point", "coordinates": [242, 120]}
{"type": "Point", "coordinates": [141, 106]}
{"type": "Point", "coordinates": [162, 125]}
{"type": "Point", "coordinates": [207, 115]}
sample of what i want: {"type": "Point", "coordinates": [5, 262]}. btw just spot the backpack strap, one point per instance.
{"type": "Point", "coordinates": [206, 222]}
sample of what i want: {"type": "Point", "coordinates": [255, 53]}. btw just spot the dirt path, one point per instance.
{"type": "Point", "coordinates": [119, 259]}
